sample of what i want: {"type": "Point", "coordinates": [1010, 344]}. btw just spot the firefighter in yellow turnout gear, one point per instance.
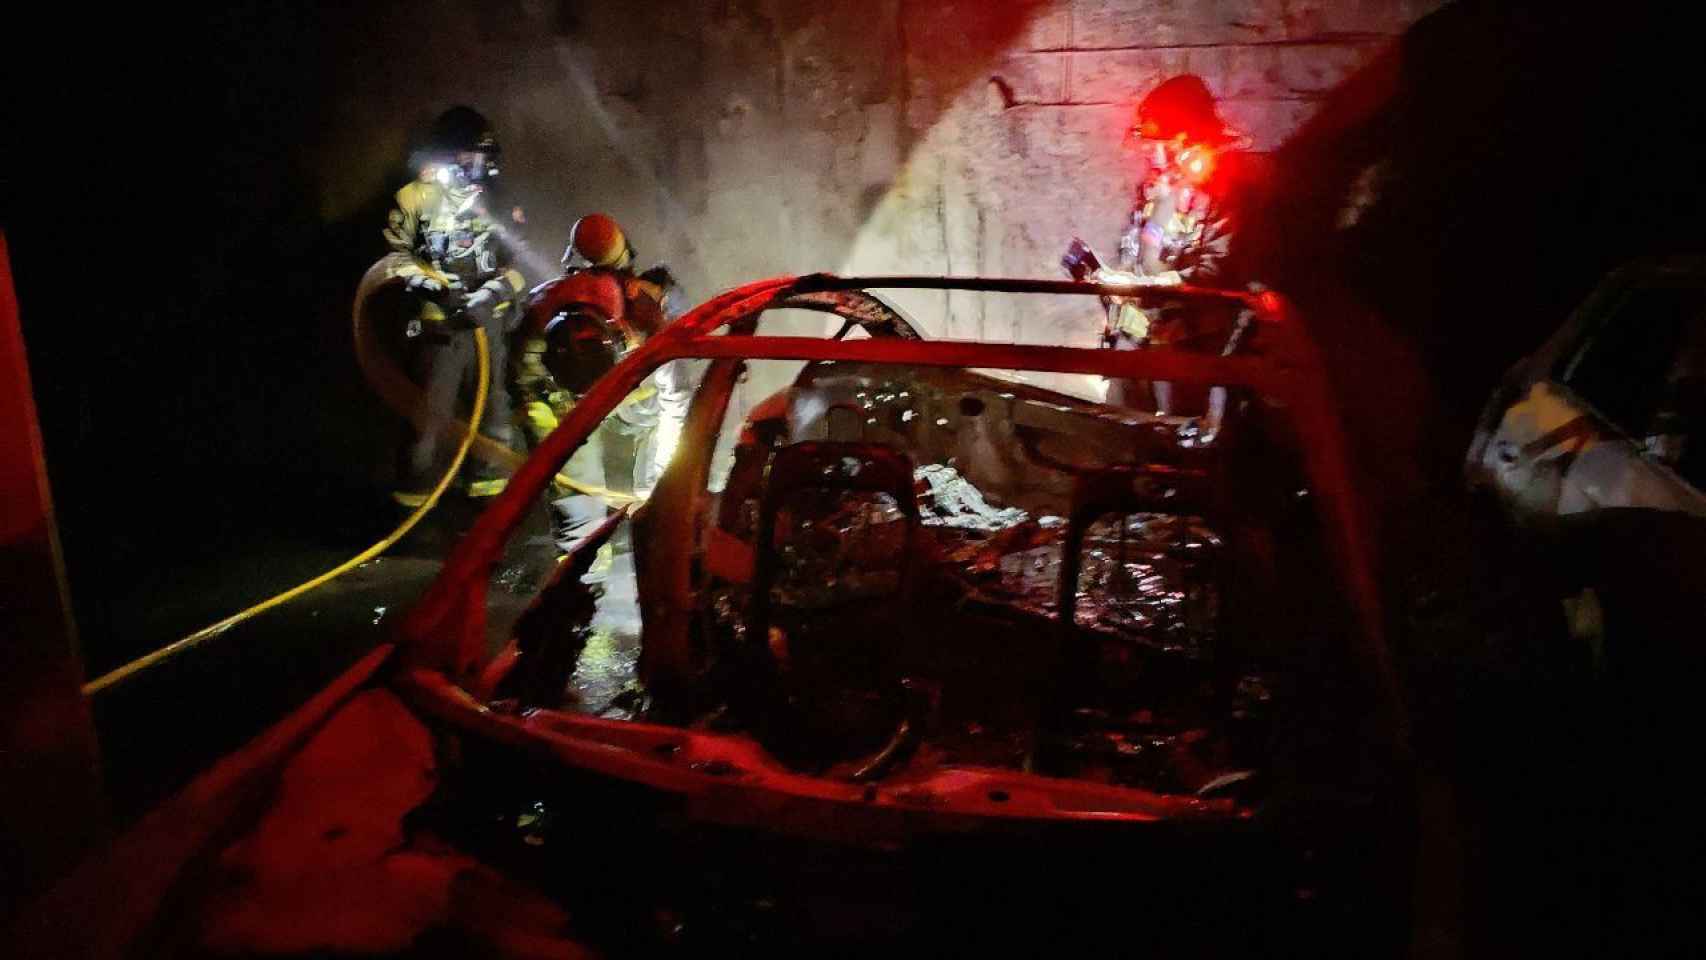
{"type": "Point", "coordinates": [458, 262]}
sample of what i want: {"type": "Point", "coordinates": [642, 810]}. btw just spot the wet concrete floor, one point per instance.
{"type": "Point", "coordinates": [164, 725]}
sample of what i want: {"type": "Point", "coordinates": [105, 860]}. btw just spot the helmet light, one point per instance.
{"type": "Point", "coordinates": [1197, 163]}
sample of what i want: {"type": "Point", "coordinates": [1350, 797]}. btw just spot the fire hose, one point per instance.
{"type": "Point", "coordinates": [482, 353]}
{"type": "Point", "coordinates": [402, 395]}
{"type": "Point", "coordinates": [407, 399]}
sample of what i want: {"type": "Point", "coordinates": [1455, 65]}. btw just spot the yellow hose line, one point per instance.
{"type": "Point", "coordinates": [173, 649]}
{"type": "Point", "coordinates": [404, 396]}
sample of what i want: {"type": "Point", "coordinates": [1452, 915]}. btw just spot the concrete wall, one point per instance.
{"type": "Point", "coordinates": [744, 138]}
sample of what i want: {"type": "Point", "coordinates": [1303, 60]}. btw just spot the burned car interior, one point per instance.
{"type": "Point", "coordinates": [909, 587]}
{"type": "Point", "coordinates": [906, 558]}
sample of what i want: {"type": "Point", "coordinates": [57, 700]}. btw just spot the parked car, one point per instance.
{"type": "Point", "coordinates": [1590, 580]}
{"type": "Point", "coordinates": [1611, 411]}
{"type": "Point", "coordinates": [1595, 448]}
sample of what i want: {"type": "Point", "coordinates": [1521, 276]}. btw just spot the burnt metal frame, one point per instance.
{"type": "Point", "coordinates": [78, 918]}
{"type": "Point", "coordinates": [442, 637]}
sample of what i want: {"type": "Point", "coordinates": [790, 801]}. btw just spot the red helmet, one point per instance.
{"type": "Point", "coordinates": [598, 240]}
{"type": "Point", "coordinates": [1182, 106]}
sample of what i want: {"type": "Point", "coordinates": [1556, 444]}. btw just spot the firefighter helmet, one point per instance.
{"type": "Point", "coordinates": [597, 240]}
{"type": "Point", "coordinates": [463, 138]}
{"type": "Point", "coordinates": [1182, 106]}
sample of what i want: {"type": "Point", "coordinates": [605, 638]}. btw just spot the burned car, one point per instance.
{"type": "Point", "coordinates": [919, 647]}
{"type": "Point", "coordinates": [896, 599]}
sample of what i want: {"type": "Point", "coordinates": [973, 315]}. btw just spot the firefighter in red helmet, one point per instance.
{"type": "Point", "coordinates": [576, 327]}
{"type": "Point", "coordinates": [1179, 232]}
{"type": "Point", "coordinates": [596, 240]}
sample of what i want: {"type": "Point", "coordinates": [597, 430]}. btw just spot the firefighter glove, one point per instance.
{"type": "Point", "coordinates": [482, 304]}
{"type": "Point", "coordinates": [425, 285]}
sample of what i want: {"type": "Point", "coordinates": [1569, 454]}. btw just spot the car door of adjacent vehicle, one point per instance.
{"type": "Point", "coordinates": [1633, 401]}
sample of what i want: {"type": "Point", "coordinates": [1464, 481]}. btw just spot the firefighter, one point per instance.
{"type": "Point", "coordinates": [460, 269]}
{"type": "Point", "coordinates": [576, 328]}
{"type": "Point", "coordinates": [1179, 232]}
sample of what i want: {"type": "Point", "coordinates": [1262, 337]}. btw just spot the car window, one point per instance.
{"type": "Point", "coordinates": [1677, 435]}
{"type": "Point", "coordinates": [1637, 367]}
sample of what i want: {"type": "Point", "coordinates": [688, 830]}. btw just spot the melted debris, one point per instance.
{"type": "Point", "coordinates": [946, 499]}
{"type": "Point", "coordinates": [838, 546]}
{"type": "Point", "coordinates": [1150, 578]}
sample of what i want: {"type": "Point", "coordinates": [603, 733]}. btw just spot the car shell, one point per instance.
{"type": "Point", "coordinates": [443, 637]}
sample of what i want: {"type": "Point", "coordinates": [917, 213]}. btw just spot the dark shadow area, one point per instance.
{"type": "Point", "coordinates": [1504, 156]}
{"type": "Point", "coordinates": [1441, 217]}
{"type": "Point", "coordinates": [210, 441]}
